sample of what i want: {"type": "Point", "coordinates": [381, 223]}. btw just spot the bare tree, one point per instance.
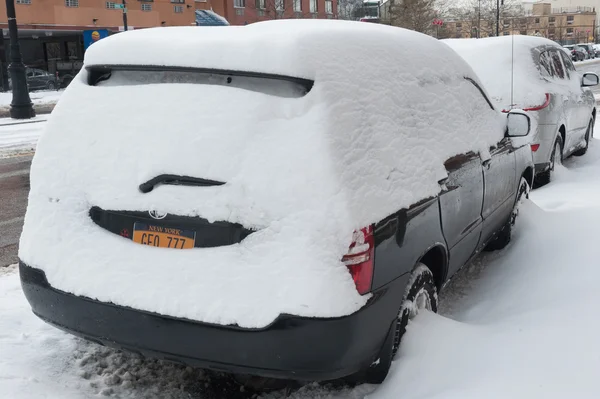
{"type": "Point", "coordinates": [416, 15]}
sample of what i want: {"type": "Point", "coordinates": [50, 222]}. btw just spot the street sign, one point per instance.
{"type": "Point", "coordinates": [119, 6]}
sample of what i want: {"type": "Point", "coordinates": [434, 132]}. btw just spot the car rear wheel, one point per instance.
{"type": "Point", "coordinates": [50, 86]}
{"type": "Point", "coordinates": [420, 296]}
{"type": "Point", "coordinates": [504, 236]}
{"type": "Point", "coordinates": [556, 158]}
{"type": "Point", "coordinates": [588, 134]}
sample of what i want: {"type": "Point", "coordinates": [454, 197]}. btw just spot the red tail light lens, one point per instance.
{"type": "Point", "coordinates": [536, 108]}
{"type": "Point", "coordinates": [360, 257]}
{"type": "Point", "coordinates": [539, 107]}
{"type": "Point", "coordinates": [534, 147]}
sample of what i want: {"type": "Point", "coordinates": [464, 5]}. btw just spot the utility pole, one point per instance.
{"type": "Point", "coordinates": [497, 17]}
{"type": "Point", "coordinates": [20, 106]}
{"type": "Point", "coordinates": [479, 21]}
{"type": "Point", "coordinates": [124, 14]}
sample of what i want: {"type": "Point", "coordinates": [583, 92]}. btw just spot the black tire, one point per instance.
{"type": "Point", "coordinates": [504, 236]}
{"type": "Point", "coordinates": [588, 134]}
{"type": "Point", "coordinates": [422, 287]}
{"type": "Point", "coordinates": [543, 178]}
{"type": "Point", "coordinates": [50, 86]}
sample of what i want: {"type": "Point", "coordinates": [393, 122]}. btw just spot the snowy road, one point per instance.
{"type": "Point", "coordinates": [520, 323]}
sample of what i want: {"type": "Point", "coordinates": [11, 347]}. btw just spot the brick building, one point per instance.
{"type": "Point", "coordinates": [51, 31]}
{"type": "Point", "coordinates": [564, 25]}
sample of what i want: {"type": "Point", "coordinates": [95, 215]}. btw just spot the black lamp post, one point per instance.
{"type": "Point", "coordinates": [21, 106]}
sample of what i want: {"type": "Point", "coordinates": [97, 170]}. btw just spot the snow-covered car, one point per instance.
{"type": "Point", "coordinates": [268, 210]}
{"type": "Point", "coordinates": [591, 53]}
{"type": "Point", "coordinates": [576, 52]}
{"type": "Point", "coordinates": [540, 79]}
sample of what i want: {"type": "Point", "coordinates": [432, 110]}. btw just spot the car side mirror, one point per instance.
{"type": "Point", "coordinates": [518, 124]}
{"type": "Point", "coordinates": [589, 79]}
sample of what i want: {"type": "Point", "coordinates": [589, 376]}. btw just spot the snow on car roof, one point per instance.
{"type": "Point", "coordinates": [299, 48]}
{"type": "Point", "coordinates": [492, 59]}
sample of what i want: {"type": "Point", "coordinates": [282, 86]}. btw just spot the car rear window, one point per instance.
{"type": "Point", "coordinates": [275, 85]}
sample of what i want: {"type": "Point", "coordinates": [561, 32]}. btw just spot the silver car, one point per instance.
{"type": "Point", "coordinates": [536, 75]}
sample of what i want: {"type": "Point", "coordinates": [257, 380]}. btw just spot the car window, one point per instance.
{"type": "Point", "coordinates": [559, 70]}
{"type": "Point", "coordinates": [546, 64]}
{"type": "Point", "coordinates": [568, 64]}
{"type": "Point", "coordinates": [29, 73]}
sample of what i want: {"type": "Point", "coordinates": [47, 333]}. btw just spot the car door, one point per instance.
{"type": "Point", "coordinates": [583, 109]}
{"type": "Point", "coordinates": [30, 79]}
{"type": "Point", "coordinates": [572, 100]}
{"type": "Point", "coordinates": [461, 200]}
{"type": "Point", "coordinates": [499, 174]}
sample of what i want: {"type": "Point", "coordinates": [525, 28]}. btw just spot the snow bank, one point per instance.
{"type": "Point", "coordinates": [304, 172]}
{"type": "Point", "coordinates": [492, 59]}
{"type": "Point", "coordinates": [528, 329]}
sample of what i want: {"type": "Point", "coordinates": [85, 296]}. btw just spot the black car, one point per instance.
{"type": "Point", "coordinates": [295, 240]}
{"type": "Point", "coordinates": [38, 79]}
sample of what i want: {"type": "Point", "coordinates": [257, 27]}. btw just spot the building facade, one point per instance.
{"type": "Point", "coordinates": [563, 25]}
{"type": "Point", "coordinates": [51, 32]}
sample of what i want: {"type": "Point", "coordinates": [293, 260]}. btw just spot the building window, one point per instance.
{"type": "Point", "coordinates": [260, 5]}
{"type": "Point", "coordinates": [569, 19]}
{"type": "Point", "coordinates": [523, 32]}
{"type": "Point", "coordinates": [178, 9]}
{"type": "Point", "coordinates": [537, 20]}
{"type": "Point", "coordinates": [239, 11]}
{"type": "Point", "coordinates": [552, 19]}
{"type": "Point", "coordinates": [329, 6]}
{"type": "Point", "coordinates": [298, 5]}
{"type": "Point", "coordinates": [569, 31]}
{"type": "Point", "coordinates": [72, 3]}
{"type": "Point", "coordinates": [146, 7]}
{"type": "Point", "coordinates": [178, 1]}
{"type": "Point", "coordinates": [279, 5]}
{"type": "Point", "coordinates": [239, 3]}
{"type": "Point", "coordinates": [551, 31]}
{"type": "Point", "coordinates": [313, 6]}
{"type": "Point", "coordinates": [458, 25]}
{"type": "Point", "coordinates": [110, 5]}
{"type": "Point", "coordinates": [23, 1]}
{"type": "Point", "coordinates": [260, 13]}
{"type": "Point", "coordinates": [506, 33]}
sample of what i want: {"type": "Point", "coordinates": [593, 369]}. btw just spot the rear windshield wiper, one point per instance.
{"type": "Point", "coordinates": [177, 180]}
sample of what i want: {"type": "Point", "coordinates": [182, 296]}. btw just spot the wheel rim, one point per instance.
{"type": "Point", "coordinates": [522, 196]}
{"type": "Point", "coordinates": [422, 302]}
{"type": "Point", "coordinates": [556, 158]}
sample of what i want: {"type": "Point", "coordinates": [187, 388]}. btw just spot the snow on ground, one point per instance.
{"type": "Point", "coordinates": [18, 137]}
{"type": "Point", "coordinates": [37, 97]}
{"type": "Point", "coordinates": [519, 323]}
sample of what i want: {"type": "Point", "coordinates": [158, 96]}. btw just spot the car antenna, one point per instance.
{"type": "Point", "coordinates": [512, 72]}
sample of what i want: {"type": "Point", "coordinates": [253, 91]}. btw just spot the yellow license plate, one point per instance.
{"type": "Point", "coordinates": [163, 237]}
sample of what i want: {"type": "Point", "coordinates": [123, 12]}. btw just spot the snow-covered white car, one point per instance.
{"type": "Point", "coordinates": [536, 75]}
{"type": "Point", "coordinates": [248, 199]}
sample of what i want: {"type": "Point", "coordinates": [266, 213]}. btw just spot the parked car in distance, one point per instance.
{"type": "Point", "coordinates": [589, 49]}
{"type": "Point", "coordinates": [299, 244]}
{"type": "Point", "coordinates": [546, 85]}
{"type": "Point", "coordinates": [596, 48]}
{"type": "Point", "coordinates": [577, 53]}
{"type": "Point", "coordinates": [38, 79]}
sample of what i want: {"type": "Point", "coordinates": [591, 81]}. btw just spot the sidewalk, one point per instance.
{"type": "Point", "coordinates": [43, 101]}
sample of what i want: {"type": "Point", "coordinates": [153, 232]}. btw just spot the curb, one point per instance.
{"type": "Point", "coordinates": [40, 109]}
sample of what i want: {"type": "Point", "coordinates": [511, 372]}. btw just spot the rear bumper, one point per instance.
{"type": "Point", "coordinates": [291, 347]}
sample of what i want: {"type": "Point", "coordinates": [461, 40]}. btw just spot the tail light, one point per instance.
{"type": "Point", "coordinates": [536, 108]}
{"type": "Point", "coordinates": [360, 257]}
{"type": "Point", "coordinates": [534, 147]}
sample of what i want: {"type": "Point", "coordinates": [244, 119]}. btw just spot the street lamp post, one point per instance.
{"type": "Point", "coordinates": [20, 106]}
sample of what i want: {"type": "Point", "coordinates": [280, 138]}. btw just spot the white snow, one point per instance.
{"type": "Point", "coordinates": [37, 97]}
{"type": "Point", "coordinates": [304, 172]}
{"type": "Point", "coordinates": [492, 59]}
{"type": "Point", "coordinates": [520, 323]}
{"type": "Point", "coordinates": [18, 136]}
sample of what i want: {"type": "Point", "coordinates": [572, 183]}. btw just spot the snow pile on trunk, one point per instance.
{"type": "Point", "coordinates": [529, 329]}
{"type": "Point", "coordinates": [304, 172]}
{"type": "Point", "coordinates": [508, 60]}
